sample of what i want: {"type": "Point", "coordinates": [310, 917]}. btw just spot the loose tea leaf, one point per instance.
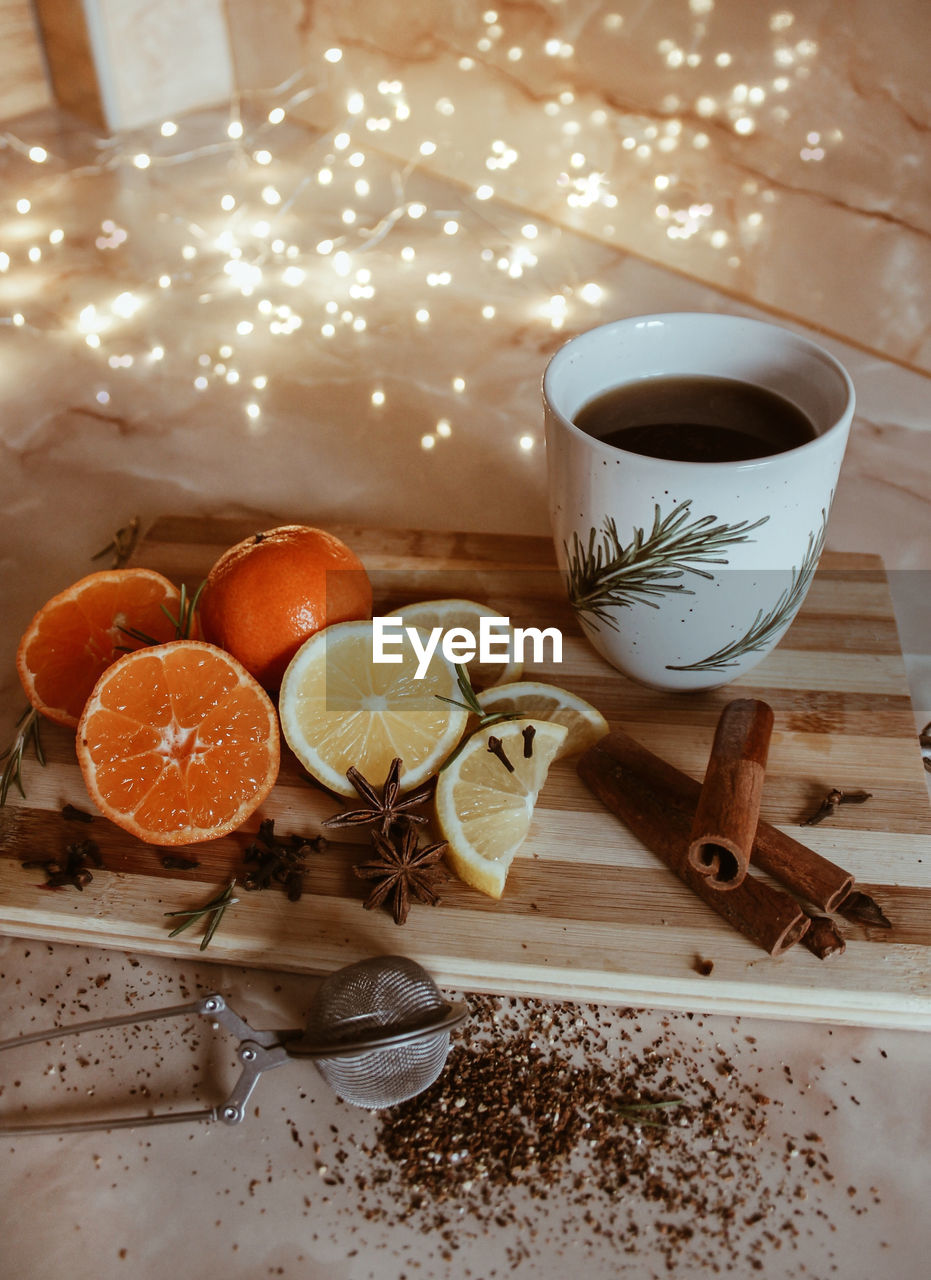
{"type": "Point", "coordinates": [522, 1141]}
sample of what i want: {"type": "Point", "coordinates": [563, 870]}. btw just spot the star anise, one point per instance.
{"type": "Point", "coordinates": [403, 872]}
{"type": "Point", "coordinates": [386, 809]}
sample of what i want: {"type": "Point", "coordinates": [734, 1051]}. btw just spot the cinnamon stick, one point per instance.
{"type": "Point", "coordinates": [863, 909]}
{"type": "Point", "coordinates": [728, 807]}
{"type": "Point", "coordinates": [823, 938]}
{"type": "Point", "coordinates": [764, 914]}
{"type": "Point", "coordinates": [816, 879]}
{"type": "Point", "coordinates": [808, 874]}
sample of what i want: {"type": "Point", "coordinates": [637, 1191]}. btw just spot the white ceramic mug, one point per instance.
{"type": "Point", "coordinates": [684, 575]}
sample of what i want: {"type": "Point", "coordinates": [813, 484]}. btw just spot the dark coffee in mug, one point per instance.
{"type": "Point", "coordinates": [694, 418]}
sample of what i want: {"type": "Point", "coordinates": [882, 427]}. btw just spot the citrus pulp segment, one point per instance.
{"type": "Point", "coordinates": [77, 634]}
{"type": "Point", "coordinates": [585, 723]}
{"type": "Point", "coordinates": [178, 743]}
{"type": "Point", "coordinates": [484, 807]}
{"type": "Point", "coordinates": [339, 708]}
{"type": "Point", "coordinates": [453, 612]}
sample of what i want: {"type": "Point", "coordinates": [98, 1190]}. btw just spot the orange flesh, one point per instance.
{"type": "Point", "coordinates": [77, 635]}
{"type": "Point", "coordinates": [178, 743]}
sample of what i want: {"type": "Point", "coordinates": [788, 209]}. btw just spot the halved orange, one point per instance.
{"type": "Point", "coordinates": [178, 743]}
{"type": "Point", "coordinates": [75, 636]}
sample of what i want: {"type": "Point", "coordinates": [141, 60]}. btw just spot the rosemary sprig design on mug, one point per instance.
{"type": "Point", "coordinates": [605, 575]}
{"type": "Point", "coordinates": [767, 624]}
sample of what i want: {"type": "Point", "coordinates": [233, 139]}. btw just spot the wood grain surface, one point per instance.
{"type": "Point", "coordinates": [24, 85]}
{"type": "Point", "coordinates": [587, 913]}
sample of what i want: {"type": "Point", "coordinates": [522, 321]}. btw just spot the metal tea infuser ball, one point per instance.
{"type": "Point", "coordinates": [378, 1032]}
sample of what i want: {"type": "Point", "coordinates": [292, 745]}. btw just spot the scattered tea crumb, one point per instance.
{"type": "Point", "coordinates": [661, 1155]}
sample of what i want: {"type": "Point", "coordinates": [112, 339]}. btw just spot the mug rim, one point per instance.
{"type": "Point", "coordinates": [842, 423]}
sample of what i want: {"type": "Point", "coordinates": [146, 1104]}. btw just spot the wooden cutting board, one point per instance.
{"type": "Point", "coordinates": [588, 913]}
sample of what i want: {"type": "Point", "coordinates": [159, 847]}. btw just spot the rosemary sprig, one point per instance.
{"type": "Point", "coordinates": [28, 732]}
{"type": "Point", "coordinates": [122, 545]}
{"type": "Point", "coordinates": [183, 623]}
{"type": "Point", "coordinates": [633, 1111]}
{"type": "Point", "coordinates": [471, 704]}
{"type": "Point", "coordinates": [215, 909]}
{"type": "Point", "coordinates": [468, 700]}
{"type": "Point", "coordinates": [607, 575]}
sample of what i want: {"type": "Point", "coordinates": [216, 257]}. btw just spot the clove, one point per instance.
{"type": "Point", "coordinates": [829, 804]}
{"type": "Point", "coordinates": [72, 813]}
{"type": "Point", "coordinates": [276, 860]}
{"type": "Point", "coordinates": [496, 747]}
{"type": "Point", "coordinates": [72, 870]}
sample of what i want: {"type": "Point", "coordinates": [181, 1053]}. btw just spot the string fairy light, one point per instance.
{"type": "Point", "coordinates": [324, 227]}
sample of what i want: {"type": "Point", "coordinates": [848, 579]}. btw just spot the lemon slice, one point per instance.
{"type": "Point", "coordinates": [339, 707]}
{"type": "Point", "coordinates": [468, 614]}
{"type": "Point", "coordinates": [539, 701]}
{"type": "Point", "coordinates": [484, 809]}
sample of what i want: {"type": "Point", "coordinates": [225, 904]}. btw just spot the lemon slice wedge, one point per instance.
{"type": "Point", "coordinates": [339, 707]}
{"type": "Point", "coordinates": [484, 806]}
{"type": "Point", "coordinates": [450, 613]}
{"type": "Point", "coordinates": [531, 698]}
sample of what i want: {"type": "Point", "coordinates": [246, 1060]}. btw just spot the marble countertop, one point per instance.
{"type": "Point", "coordinates": [275, 319]}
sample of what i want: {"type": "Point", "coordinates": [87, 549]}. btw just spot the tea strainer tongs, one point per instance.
{"type": "Point", "coordinates": [378, 1032]}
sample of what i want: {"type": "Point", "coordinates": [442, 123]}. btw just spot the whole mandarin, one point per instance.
{"type": "Point", "coordinates": [269, 593]}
